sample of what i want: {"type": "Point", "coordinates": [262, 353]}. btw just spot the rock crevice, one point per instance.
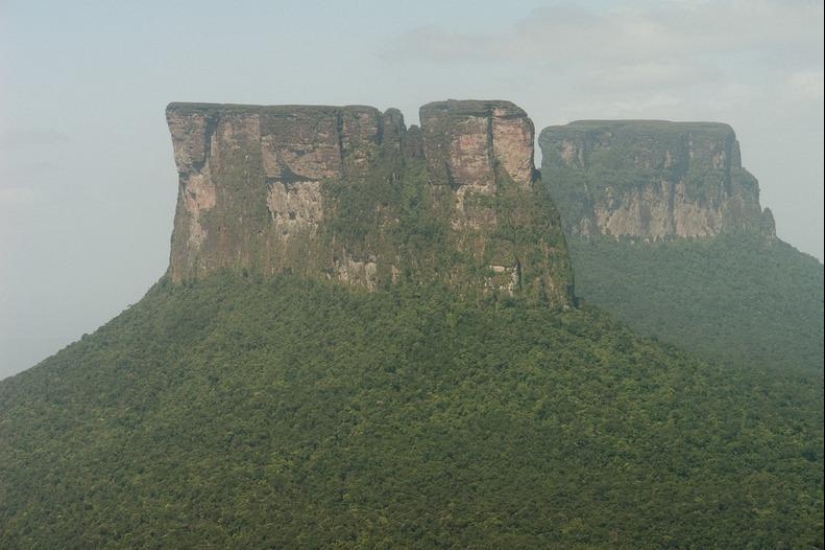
{"type": "Point", "coordinates": [348, 192]}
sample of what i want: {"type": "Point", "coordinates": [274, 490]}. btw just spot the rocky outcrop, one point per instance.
{"type": "Point", "coordinates": [465, 142]}
{"type": "Point", "coordinates": [250, 178]}
{"type": "Point", "coordinates": [651, 180]}
{"type": "Point", "coordinates": [350, 193]}
{"type": "Point", "coordinates": [470, 146]}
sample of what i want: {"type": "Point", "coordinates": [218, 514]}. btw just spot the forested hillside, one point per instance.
{"type": "Point", "coordinates": [732, 298]}
{"type": "Point", "coordinates": [239, 413]}
{"type": "Point", "coordinates": [666, 232]}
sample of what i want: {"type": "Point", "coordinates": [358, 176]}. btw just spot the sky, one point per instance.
{"type": "Point", "coordinates": [87, 177]}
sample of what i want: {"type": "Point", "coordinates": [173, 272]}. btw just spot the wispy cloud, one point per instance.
{"type": "Point", "coordinates": [30, 137]}
{"type": "Point", "coordinates": [438, 45]}
{"type": "Point", "coordinates": [651, 74]}
{"type": "Point", "coordinates": [807, 85]}
{"type": "Point", "coordinates": [623, 32]}
{"type": "Point", "coordinates": [30, 161]}
{"type": "Point", "coordinates": [626, 46]}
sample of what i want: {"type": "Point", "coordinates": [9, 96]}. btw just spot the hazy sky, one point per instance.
{"type": "Point", "coordinates": [87, 179]}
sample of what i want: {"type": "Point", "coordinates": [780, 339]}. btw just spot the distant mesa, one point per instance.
{"type": "Point", "coordinates": [651, 180]}
{"type": "Point", "coordinates": [666, 233]}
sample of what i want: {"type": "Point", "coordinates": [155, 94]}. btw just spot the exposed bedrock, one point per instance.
{"type": "Point", "coordinates": [331, 192]}
{"type": "Point", "coordinates": [651, 180]}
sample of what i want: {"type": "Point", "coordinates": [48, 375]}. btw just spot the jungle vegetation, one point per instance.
{"type": "Point", "coordinates": [236, 412]}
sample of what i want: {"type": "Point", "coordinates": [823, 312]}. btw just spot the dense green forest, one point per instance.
{"type": "Point", "coordinates": [239, 413]}
{"type": "Point", "coordinates": [735, 297]}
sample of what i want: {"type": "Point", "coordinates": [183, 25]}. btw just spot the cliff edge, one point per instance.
{"type": "Point", "coordinates": [350, 193]}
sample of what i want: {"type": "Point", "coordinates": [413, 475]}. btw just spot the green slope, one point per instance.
{"type": "Point", "coordinates": [734, 297]}
{"type": "Point", "coordinates": [232, 413]}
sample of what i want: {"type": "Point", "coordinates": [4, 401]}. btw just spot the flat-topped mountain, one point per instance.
{"type": "Point", "coordinates": [344, 192]}
{"type": "Point", "coordinates": [259, 397]}
{"type": "Point", "coordinates": [651, 179]}
{"type": "Point", "coordinates": [666, 232]}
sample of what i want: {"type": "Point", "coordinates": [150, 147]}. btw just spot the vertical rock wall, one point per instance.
{"type": "Point", "coordinates": [325, 191]}
{"type": "Point", "coordinates": [466, 141]}
{"type": "Point", "coordinates": [650, 179]}
{"type": "Point", "coordinates": [250, 179]}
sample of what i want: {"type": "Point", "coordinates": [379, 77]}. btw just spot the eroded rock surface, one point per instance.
{"type": "Point", "coordinates": [472, 145]}
{"type": "Point", "coordinates": [349, 193]}
{"type": "Point", "coordinates": [651, 180]}
{"type": "Point", "coordinates": [250, 178]}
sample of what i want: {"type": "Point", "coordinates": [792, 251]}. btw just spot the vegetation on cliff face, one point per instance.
{"type": "Point", "coordinates": [348, 193]}
{"type": "Point", "coordinates": [650, 179]}
{"type": "Point", "coordinates": [235, 412]}
{"type": "Point", "coordinates": [395, 213]}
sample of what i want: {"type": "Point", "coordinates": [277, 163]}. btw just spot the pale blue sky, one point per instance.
{"type": "Point", "coordinates": [87, 179]}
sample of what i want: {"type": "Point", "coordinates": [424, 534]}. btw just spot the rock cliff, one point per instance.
{"type": "Point", "coordinates": [350, 193]}
{"type": "Point", "coordinates": [470, 145]}
{"type": "Point", "coordinates": [651, 180]}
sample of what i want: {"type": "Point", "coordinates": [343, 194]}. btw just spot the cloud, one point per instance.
{"type": "Point", "coordinates": [651, 75]}
{"type": "Point", "coordinates": [736, 95]}
{"type": "Point", "coordinates": [625, 34]}
{"type": "Point", "coordinates": [432, 43]}
{"type": "Point", "coordinates": [660, 105]}
{"type": "Point", "coordinates": [30, 137]}
{"type": "Point", "coordinates": [807, 85]}
{"type": "Point", "coordinates": [641, 107]}
{"type": "Point", "coordinates": [676, 59]}
{"type": "Point", "coordinates": [30, 159]}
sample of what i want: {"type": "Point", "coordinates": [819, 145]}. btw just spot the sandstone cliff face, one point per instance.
{"type": "Point", "coordinates": [465, 140]}
{"type": "Point", "coordinates": [651, 180]}
{"type": "Point", "coordinates": [350, 193]}
{"type": "Point", "coordinates": [250, 178]}
{"type": "Point", "coordinates": [470, 146]}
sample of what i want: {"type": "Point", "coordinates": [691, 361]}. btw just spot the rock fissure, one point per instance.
{"type": "Point", "coordinates": [351, 194]}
